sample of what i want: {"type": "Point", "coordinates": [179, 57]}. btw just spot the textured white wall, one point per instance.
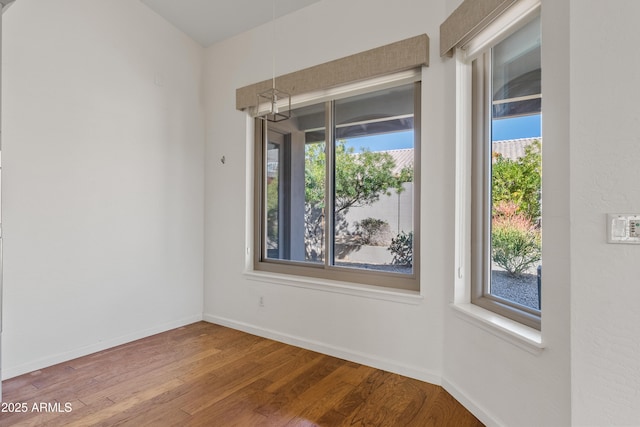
{"type": "Point", "coordinates": [605, 172]}
{"type": "Point", "coordinates": [501, 382]}
{"type": "Point", "coordinates": [103, 208]}
{"type": "Point", "coordinates": [401, 337]}
{"type": "Point", "coordinates": [102, 178]}
{"type": "Point", "coordinates": [513, 386]}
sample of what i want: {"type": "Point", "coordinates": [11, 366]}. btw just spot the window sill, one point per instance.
{"type": "Point", "coordinates": [354, 289]}
{"type": "Point", "coordinates": [520, 335]}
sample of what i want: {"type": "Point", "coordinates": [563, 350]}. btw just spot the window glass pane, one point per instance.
{"type": "Point", "coordinates": [294, 183]}
{"type": "Point", "coordinates": [314, 205]}
{"type": "Point", "coordinates": [373, 185]}
{"type": "Point", "coordinates": [515, 159]}
{"type": "Point", "coordinates": [516, 73]}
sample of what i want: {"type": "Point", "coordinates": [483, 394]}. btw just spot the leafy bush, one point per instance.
{"type": "Point", "coordinates": [515, 240]}
{"type": "Point", "coordinates": [518, 181]}
{"type": "Point", "coordinates": [370, 229]}
{"type": "Point", "coordinates": [402, 249]}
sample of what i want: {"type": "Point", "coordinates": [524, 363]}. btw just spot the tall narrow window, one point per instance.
{"type": "Point", "coordinates": [337, 192]}
{"type": "Point", "coordinates": [506, 176]}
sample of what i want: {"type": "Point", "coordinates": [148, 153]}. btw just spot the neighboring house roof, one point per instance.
{"type": "Point", "coordinates": [512, 149]}
{"type": "Point", "coordinates": [402, 157]}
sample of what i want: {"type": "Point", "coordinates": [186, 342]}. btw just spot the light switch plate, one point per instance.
{"type": "Point", "coordinates": [623, 228]}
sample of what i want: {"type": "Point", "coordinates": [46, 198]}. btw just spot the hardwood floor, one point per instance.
{"type": "Point", "coordinates": [209, 375]}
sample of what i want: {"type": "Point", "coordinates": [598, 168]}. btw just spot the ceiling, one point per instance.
{"type": "Point", "coordinates": [210, 21]}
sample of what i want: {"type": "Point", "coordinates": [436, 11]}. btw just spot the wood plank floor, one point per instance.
{"type": "Point", "coordinates": [209, 375]}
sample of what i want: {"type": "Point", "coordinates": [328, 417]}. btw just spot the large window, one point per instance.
{"type": "Point", "coordinates": [505, 148]}
{"type": "Point", "coordinates": [337, 189]}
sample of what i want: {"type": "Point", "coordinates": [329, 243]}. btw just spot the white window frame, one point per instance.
{"type": "Point", "coordinates": [469, 290]}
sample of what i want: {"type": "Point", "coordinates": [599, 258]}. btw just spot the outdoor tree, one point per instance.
{"type": "Point", "coordinates": [360, 180]}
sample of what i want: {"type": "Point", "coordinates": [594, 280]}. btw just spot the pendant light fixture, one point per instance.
{"type": "Point", "coordinates": [271, 101]}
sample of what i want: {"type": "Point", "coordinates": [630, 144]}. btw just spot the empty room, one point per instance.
{"type": "Point", "coordinates": [320, 212]}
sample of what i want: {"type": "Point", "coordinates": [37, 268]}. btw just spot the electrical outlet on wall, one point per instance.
{"type": "Point", "coordinates": [261, 301]}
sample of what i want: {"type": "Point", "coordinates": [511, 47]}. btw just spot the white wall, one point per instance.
{"type": "Point", "coordinates": [102, 178]}
{"type": "Point", "coordinates": [502, 383]}
{"type": "Point", "coordinates": [103, 208]}
{"type": "Point", "coordinates": [402, 337]}
{"type": "Point", "coordinates": [605, 172]}
{"type": "Point", "coordinates": [511, 385]}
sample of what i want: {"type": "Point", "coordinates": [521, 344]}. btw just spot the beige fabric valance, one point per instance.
{"type": "Point", "coordinates": [395, 57]}
{"type": "Point", "coordinates": [471, 17]}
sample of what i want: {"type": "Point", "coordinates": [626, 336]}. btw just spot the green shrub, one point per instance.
{"type": "Point", "coordinates": [515, 241]}
{"type": "Point", "coordinates": [518, 181]}
{"type": "Point", "coordinates": [402, 249]}
{"type": "Point", "coordinates": [369, 230]}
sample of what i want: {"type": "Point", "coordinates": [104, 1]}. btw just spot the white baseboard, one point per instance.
{"type": "Point", "coordinates": [342, 353]}
{"type": "Point", "coordinates": [483, 415]}
{"type": "Point", "coordinates": [14, 371]}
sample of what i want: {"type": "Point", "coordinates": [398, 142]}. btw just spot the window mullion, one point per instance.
{"type": "Point", "coordinates": [261, 196]}
{"type": "Point", "coordinates": [417, 135]}
{"type": "Point", "coordinates": [329, 184]}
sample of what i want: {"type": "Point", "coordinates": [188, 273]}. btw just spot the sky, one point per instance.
{"type": "Point", "coordinates": [517, 127]}
{"type": "Point", "coordinates": [502, 129]}
{"type": "Point", "coordinates": [387, 141]}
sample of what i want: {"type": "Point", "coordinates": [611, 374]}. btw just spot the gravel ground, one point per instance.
{"type": "Point", "coordinates": [522, 289]}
